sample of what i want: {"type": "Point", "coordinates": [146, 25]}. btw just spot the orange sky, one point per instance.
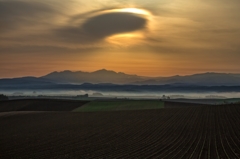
{"type": "Point", "coordinates": [153, 38]}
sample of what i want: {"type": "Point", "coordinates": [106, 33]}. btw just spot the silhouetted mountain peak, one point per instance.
{"type": "Point", "coordinates": [104, 71]}
{"type": "Point", "coordinates": [67, 71]}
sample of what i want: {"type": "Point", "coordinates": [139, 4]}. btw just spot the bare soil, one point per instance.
{"type": "Point", "coordinates": [40, 105]}
{"type": "Point", "coordinates": [185, 132]}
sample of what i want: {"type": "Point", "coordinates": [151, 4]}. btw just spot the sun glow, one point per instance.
{"type": "Point", "coordinates": [127, 38]}
{"type": "Point", "coordinates": [131, 10]}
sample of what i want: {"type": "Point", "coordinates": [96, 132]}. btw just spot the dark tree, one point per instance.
{"type": "Point", "coordinates": [3, 97]}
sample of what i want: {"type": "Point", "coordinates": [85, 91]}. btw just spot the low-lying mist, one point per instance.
{"type": "Point", "coordinates": [143, 94]}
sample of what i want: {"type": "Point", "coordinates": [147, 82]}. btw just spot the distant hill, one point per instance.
{"type": "Point", "coordinates": [107, 78]}
{"type": "Point", "coordinates": [100, 76]}
{"type": "Point", "coordinates": [204, 79]}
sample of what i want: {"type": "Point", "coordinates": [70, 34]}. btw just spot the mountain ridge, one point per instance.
{"type": "Point", "coordinates": [112, 77]}
{"type": "Point", "coordinates": [99, 76]}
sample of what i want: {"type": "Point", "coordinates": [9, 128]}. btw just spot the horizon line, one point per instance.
{"type": "Point", "coordinates": [104, 69]}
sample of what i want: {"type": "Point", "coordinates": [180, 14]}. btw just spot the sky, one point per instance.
{"type": "Point", "coordinates": [147, 38]}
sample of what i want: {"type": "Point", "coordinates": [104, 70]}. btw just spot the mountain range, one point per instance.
{"type": "Point", "coordinates": [104, 76]}
{"type": "Point", "coordinates": [99, 76]}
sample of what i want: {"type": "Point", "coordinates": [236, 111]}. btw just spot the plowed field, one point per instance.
{"type": "Point", "coordinates": [189, 132]}
{"type": "Point", "coordinates": [40, 105]}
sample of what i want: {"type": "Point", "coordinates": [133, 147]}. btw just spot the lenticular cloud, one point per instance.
{"type": "Point", "coordinates": [105, 25]}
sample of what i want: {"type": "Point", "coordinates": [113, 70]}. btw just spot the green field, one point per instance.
{"type": "Point", "coordinates": [232, 100]}
{"type": "Point", "coordinates": [120, 105]}
{"type": "Point", "coordinates": [227, 101]}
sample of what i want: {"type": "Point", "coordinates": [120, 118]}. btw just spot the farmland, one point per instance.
{"type": "Point", "coordinates": [192, 131]}
{"type": "Point", "coordinates": [40, 105]}
{"type": "Point", "coordinates": [116, 105]}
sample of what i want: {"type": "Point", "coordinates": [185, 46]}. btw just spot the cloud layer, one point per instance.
{"type": "Point", "coordinates": [17, 14]}
{"type": "Point", "coordinates": [99, 27]}
{"type": "Point", "coordinates": [178, 34]}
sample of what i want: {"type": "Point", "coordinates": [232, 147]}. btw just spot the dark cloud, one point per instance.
{"type": "Point", "coordinates": [112, 23]}
{"type": "Point", "coordinates": [85, 15]}
{"type": "Point", "coordinates": [98, 27]}
{"type": "Point", "coordinates": [14, 14]}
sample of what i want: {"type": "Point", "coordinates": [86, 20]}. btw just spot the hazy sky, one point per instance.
{"type": "Point", "coordinates": [152, 38]}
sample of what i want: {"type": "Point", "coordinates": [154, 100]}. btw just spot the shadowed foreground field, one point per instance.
{"type": "Point", "coordinates": [40, 105]}
{"type": "Point", "coordinates": [184, 132]}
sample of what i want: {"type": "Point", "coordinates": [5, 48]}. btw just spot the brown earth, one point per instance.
{"type": "Point", "coordinates": [40, 105]}
{"type": "Point", "coordinates": [191, 132]}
